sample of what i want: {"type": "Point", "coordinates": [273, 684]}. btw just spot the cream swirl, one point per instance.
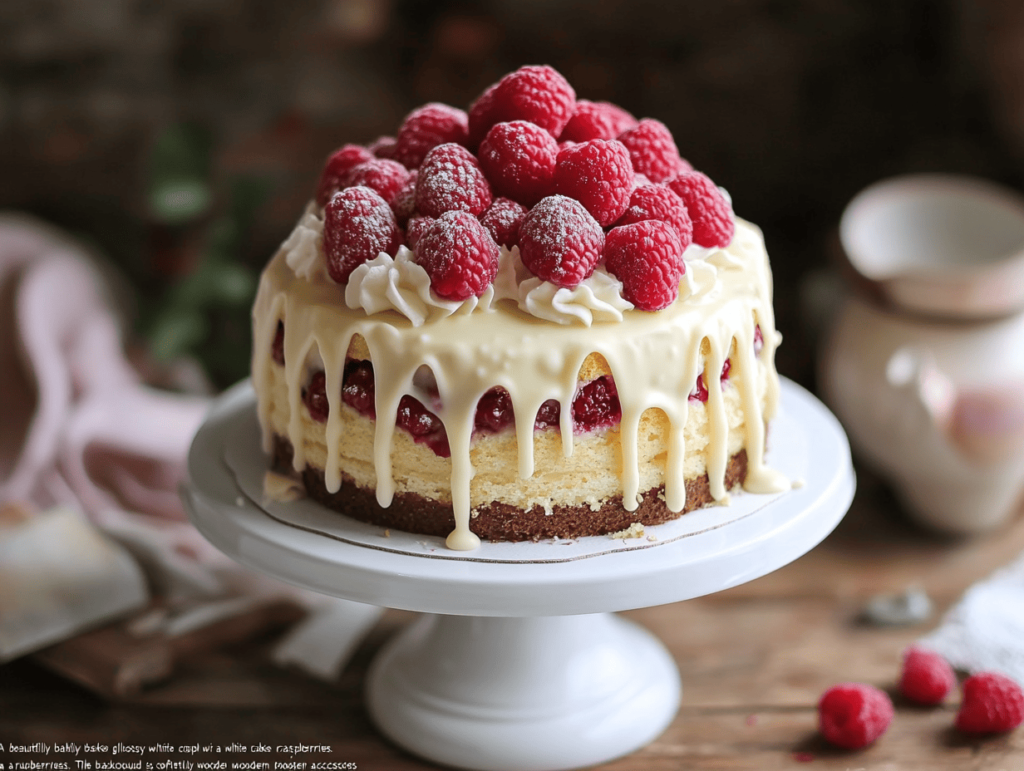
{"type": "Point", "coordinates": [401, 285]}
{"type": "Point", "coordinates": [303, 249]}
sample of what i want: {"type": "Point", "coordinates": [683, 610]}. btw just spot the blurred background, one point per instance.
{"type": "Point", "coordinates": [181, 138]}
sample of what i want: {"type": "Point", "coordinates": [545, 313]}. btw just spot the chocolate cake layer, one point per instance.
{"type": "Point", "coordinates": [499, 521]}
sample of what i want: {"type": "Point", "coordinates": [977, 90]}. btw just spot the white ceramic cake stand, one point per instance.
{"type": "Point", "coordinates": [521, 664]}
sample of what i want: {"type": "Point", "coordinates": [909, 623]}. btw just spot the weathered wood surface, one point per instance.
{"type": "Point", "coordinates": [754, 661]}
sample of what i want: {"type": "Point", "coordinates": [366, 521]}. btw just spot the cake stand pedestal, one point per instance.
{"type": "Point", "coordinates": [521, 664]}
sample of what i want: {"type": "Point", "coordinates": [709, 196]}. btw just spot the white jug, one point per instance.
{"type": "Point", "coordinates": [926, 367]}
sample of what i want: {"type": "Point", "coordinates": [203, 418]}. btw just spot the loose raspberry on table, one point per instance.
{"type": "Point", "coordinates": [358, 225]}
{"type": "Point", "coordinates": [383, 147]}
{"type": "Point", "coordinates": [450, 179]}
{"type": "Point", "coordinates": [357, 387]}
{"type": "Point", "coordinates": [560, 242]}
{"type": "Point", "coordinates": [518, 159]}
{"type": "Point", "coordinates": [459, 255]}
{"type": "Point", "coordinates": [538, 94]}
{"type": "Point", "coordinates": [502, 220]}
{"type": "Point", "coordinates": [599, 175]}
{"type": "Point", "coordinates": [647, 257]}
{"type": "Point", "coordinates": [404, 202]}
{"type": "Point", "coordinates": [926, 676]}
{"type": "Point", "coordinates": [415, 228]}
{"type": "Point", "coordinates": [596, 405]}
{"type": "Point", "coordinates": [339, 164]}
{"type": "Point", "coordinates": [713, 223]}
{"type": "Point", "coordinates": [992, 703]}
{"type": "Point", "coordinates": [658, 202]}
{"type": "Point", "coordinates": [652, 149]}
{"type": "Point", "coordinates": [314, 396]}
{"type": "Point", "coordinates": [853, 715]}
{"type": "Point", "coordinates": [596, 120]}
{"type": "Point", "coordinates": [427, 127]}
{"type": "Point", "coordinates": [384, 177]}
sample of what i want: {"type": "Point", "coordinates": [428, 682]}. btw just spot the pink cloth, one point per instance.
{"type": "Point", "coordinates": [77, 426]}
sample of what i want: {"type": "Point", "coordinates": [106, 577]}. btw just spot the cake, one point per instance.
{"type": "Point", "coordinates": [540, 267]}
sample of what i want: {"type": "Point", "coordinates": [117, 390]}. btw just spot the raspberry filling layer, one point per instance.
{"type": "Point", "coordinates": [596, 405]}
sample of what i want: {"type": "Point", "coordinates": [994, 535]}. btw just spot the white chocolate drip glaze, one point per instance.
{"type": "Point", "coordinates": [654, 359]}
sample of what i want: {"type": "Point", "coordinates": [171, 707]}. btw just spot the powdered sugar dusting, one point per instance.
{"type": "Point", "coordinates": [451, 180]}
{"type": "Point", "coordinates": [559, 241]}
{"type": "Point", "coordinates": [358, 224]}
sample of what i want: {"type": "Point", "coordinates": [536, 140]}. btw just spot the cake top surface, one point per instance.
{"type": "Point", "coordinates": [574, 210]}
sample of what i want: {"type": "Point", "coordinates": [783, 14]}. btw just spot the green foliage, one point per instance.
{"type": "Point", "coordinates": [206, 313]}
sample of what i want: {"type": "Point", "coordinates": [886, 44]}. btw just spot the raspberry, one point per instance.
{"type": "Point", "coordinates": [596, 405]}
{"type": "Point", "coordinates": [518, 159]}
{"type": "Point", "coordinates": [415, 228]}
{"type": "Point", "coordinates": [404, 202]}
{"type": "Point", "coordinates": [503, 220]}
{"type": "Point", "coordinates": [459, 255]}
{"type": "Point", "coordinates": [682, 165]}
{"type": "Point", "coordinates": [383, 147]}
{"type": "Point", "coordinates": [652, 149]}
{"type": "Point", "coordinates": [450, 179]}
{"type": "Point", "coordinates": [713, 223]}
{"type": "Point", "coordinates": [357, 387]}
{"type": "Point", "coordinates": [853, 715]}
{"type": "Point", "coordinates": [480, 115]}
{"type": "Point", "coordinates": [647, 257]}
{"type": "Point", "coordinates": [992, 703]}
{"type": "Point", "coordinates": [424, 426]}
{"type": "Point", "coordinates": [560, 242]}
{"type": "Point", "coordinates": [622, 120]}
{"type": "Point", "coordinates": [314, 396]}
{"type": "Point", "coordinates": [598, 174]}
{"type": "Point", "coordinates": [339, 164]}
{"type": "Point", "coordinates": [926, 677]}
{"type": "Point", "coordinates": [538, 94]}
{"type": "Point", "coordinates": [548, 415]}
{"type": "Point", "coordinates": [277, 347]}
{"type": "Point", "coordinates": [758, 340]}
{"type": "Point", "coordinates": [358, 225]}
{"type": "Point", "coordinates": [415, 418]}
{"type": "Point", "coordinates": [382, 176]}
{"type": "Point", "coordinates": [596, 120]}
{"type": "Point", "coordinates": [494, 411]}
{"type": "Point", "coordinates": [427, 127]}
{"type": "Point", "coordinates": [700, 388]}
{"type": "Point", "coordinates": [658, 202]}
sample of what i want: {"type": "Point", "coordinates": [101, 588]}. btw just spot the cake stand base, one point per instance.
{"type": "Point", "coordinates": [520, 666]}
{"type": "Point", "coordinates": [550, 692]}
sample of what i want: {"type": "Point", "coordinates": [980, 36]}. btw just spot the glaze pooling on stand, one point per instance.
{"type": "Point", "coordinates": [654, 359]}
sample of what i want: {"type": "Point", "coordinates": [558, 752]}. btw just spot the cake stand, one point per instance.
{"type": "Point", "coordinates": [521, 663]}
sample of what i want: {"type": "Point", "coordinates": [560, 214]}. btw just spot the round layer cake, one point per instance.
{"type": "Point", "coordinates": [434, 357]}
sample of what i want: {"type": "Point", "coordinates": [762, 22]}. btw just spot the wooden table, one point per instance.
{"type": "Point", "coordinates": [754, 661]}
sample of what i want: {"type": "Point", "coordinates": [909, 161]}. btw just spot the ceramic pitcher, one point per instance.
{"type": "Point", "coordinates": [925, 362]}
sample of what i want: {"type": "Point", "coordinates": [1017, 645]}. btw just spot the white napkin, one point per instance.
{"type": "Point", "coordinates": [984, 631]}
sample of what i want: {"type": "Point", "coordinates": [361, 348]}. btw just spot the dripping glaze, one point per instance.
{"type": "Point", "coordinates": [654, 359]}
